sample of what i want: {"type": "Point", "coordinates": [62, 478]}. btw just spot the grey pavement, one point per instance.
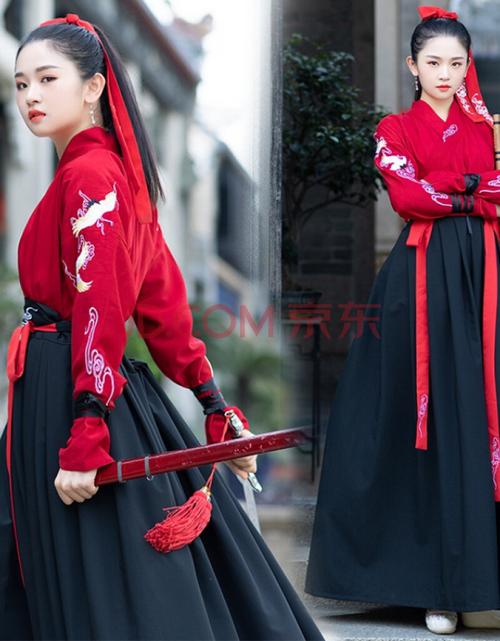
{"type": "Point", "coordinates": [392, 624]}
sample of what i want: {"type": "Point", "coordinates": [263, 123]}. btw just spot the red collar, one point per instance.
{"type": "Point", "coordinates": [85, 140]}
{"type": "Point", "coordinates": [425, 110]}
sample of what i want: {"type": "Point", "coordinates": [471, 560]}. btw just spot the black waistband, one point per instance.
{"type": "Point", "coordinates": [41, 314]}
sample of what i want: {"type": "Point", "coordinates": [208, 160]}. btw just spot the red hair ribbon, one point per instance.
{"type": "Point", "coordinates": [122, 126]}
{"type": "Point", "coordinates": [426, 13]}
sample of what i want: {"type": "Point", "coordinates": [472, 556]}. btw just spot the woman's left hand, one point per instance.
{"type": "Point", "coordinates": [75, 486]}
{"type": "Point", "coordinates": [244, 464]}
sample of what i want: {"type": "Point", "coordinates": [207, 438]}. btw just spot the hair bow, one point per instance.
{"type": "Point", "coordinates": [426, 13]}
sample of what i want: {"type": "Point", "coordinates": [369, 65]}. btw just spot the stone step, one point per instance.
{"type": "Point", "coordinates": [392, 624]}
{"type": "Point", "coordinates": [341, 620]}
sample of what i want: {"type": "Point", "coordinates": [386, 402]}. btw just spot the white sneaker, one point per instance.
{"type": "Point", "coordinates": [482, 619]}
{"type": "Point", "coordinates": [441, 621]}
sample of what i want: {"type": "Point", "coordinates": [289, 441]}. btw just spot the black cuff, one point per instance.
{"type": "Point", "coordinates": [471, 182]}
{"type": "Point", "coordinates": [456, 203]}
{"type": "Point", "coordinates": [210, 397]}
{"type": "Point", "coordinates": [469, 204]}
{"type": "Point", "coordinates": [462, 203]}
{"type": "Point", "coordinates": [86, 404]}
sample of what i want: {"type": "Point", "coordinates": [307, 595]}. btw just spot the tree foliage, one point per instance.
{"type": "Point", "coordinates": [328, 141]}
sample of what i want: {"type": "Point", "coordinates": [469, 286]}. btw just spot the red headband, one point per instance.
{"type": "Point", "coordinates": [122, 126]}
{"type": "Point", "coordinates": [468, 94]}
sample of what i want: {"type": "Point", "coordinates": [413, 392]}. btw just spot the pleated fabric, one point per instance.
{"type": "Point", "coordinates": [89, 573]}
{"type": "Point", "coordinates": [394, 524]}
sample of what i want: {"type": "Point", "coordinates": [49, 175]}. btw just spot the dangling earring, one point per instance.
{"type": "Point", "coordinates": [416, 83]}
{"type": "Point", "coordinates": [92, 116]}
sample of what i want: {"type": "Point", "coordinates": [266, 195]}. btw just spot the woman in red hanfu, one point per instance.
{"type": "Point", "coordinates": [408, 508]}
{"type": "Point", "coordinates": [74, 562]}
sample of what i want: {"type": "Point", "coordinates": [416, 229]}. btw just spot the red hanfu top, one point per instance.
{"type": "Point", "coordinates": [85, 254]}
{"type": "Point", "coordinates": [422, 159]}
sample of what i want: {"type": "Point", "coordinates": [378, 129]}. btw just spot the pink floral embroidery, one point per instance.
{"type": "Point", "coordinates": [493, 183]}
{"type": "Point", "coordinates": [464, 100]}
{"type": "Point", "coordinates": [422, 411]}
{"type": "Point", "coordinates": [404, 167]}
{"type": "Point", "coordinates": [94, 361]}
{"type": "Point", "coordinates": [495, 458]}
{"type": "Point", "coordinates": [452, 129]}
{"type": "Point", "coordinates": [481, 108]}
{"type": "Point", "coordinates": [479, 105]}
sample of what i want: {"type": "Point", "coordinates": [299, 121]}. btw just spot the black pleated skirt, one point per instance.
{"type": "Point", "coordinates": [89, 573]}
{"type": "Point", "coordinates": [394, 524]}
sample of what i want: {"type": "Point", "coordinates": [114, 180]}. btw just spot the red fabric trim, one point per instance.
{"type": "Point", "coordinates": [419, 237]}
{"type": "Point", "coordinates": [490, 295]}
{"type": "Point", "coordinates": [16, 357]}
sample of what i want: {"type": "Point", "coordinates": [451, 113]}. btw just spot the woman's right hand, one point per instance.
{"type": "Point", "coordinates": [75, 486]}
{"type": "Point", "coordinates": [243, 465]}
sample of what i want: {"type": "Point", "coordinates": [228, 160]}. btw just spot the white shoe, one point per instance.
{"type": "Point", "coordinates": [441, 621]}
{"type": "Point", "coordinates": [482, 619]}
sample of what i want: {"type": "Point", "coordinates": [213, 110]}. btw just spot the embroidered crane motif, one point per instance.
{"type": "Point", "coordinates": [404, 167]}
{"type": "Point", "coordinates": [92, 212]}
{"type": "Point", "coordinates": [86, 252]}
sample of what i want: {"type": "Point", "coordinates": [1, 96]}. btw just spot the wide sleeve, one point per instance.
{"type": "Point", "coordinates": [164, 320]}
{"type": "Point", "coordinates": [412, 196]}
{"type": "Point", "coordinates": [96, 264]}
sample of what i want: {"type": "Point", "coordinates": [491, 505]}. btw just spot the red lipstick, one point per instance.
{"type": "Point", "coordinates": [35, 114]}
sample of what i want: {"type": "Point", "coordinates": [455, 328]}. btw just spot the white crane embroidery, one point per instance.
{"type": "Point", "coordinates": [404, 167]}
{"type": "Point", "coordinates": [86, 253]}
{"type": "Point", "coordinates": [92, 212]}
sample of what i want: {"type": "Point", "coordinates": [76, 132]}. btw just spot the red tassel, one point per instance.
{"type": "Point", "coordinates": [185, 522]}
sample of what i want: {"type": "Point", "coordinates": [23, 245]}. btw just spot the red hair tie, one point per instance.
{"type": "Point", "coordinates": [426, 13]}
{"type": "Point", "coordinates": [122, 126]}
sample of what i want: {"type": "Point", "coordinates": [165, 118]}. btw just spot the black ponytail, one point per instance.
{"type": "Point", "coordinates": [83, 48]}
{"type": "Point", "coordinates": [431, 28]}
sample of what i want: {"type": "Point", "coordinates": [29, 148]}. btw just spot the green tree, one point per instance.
{"type": "Point", "coordinates": [328, 144]}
